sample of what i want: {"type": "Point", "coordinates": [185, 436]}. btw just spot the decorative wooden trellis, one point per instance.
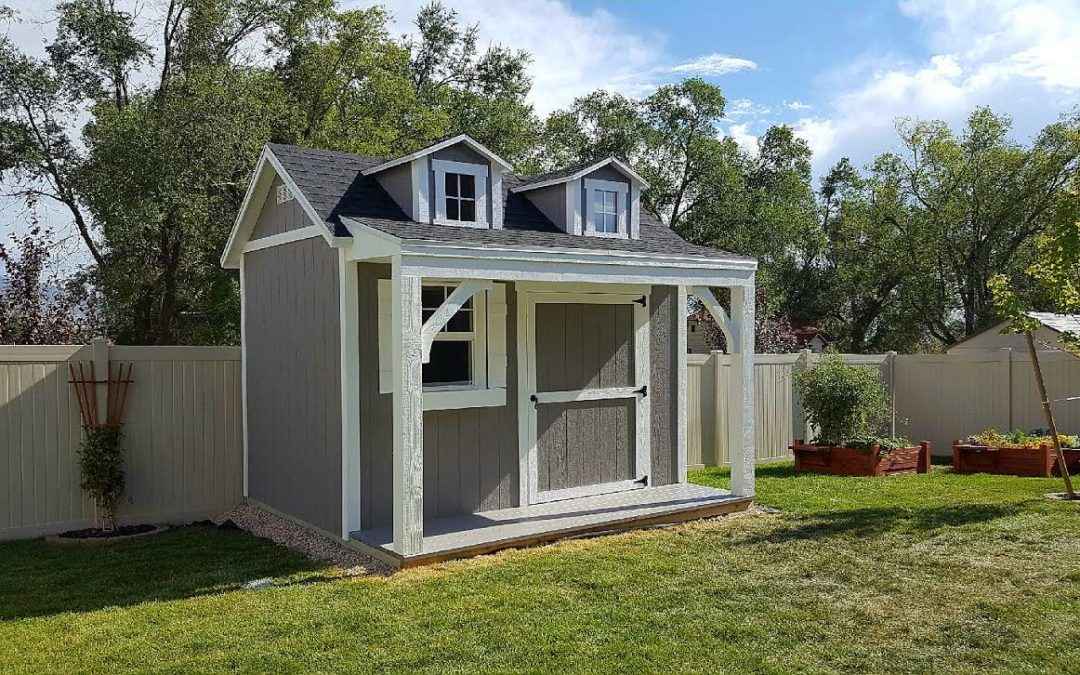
{"type": "Point", "coordinates": [116, 388]}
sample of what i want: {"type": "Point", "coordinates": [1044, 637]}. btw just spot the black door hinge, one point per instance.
{"type": "Point", "coordinates": [533, 398]}
{"type": "Point", "coordinates": [644, 480]}
{"type": "Point", "coordinates": [641, 301]}
{"type": "Point", "coordinates": [644, 391]}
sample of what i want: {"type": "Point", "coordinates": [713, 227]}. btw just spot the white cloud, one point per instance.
{"type": "Point", "coordinates": [1020, 58]}
{"type": "Point", "coordinates": [744, 138]}
{"type": "Point", "coordinates": [714, 64]}
{"type": "Point", "coordinates": [797, 105]}
{"type": "Point", "coordinates": [742, 107]}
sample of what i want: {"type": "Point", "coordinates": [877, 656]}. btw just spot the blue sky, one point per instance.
{"type": "Point", "coordinates": [840, 73]}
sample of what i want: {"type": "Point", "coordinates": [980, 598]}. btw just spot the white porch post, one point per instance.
{"type": "Point", "coordinates": [408, 413]}
{"type": "Point", "coordinates": [741, 401]}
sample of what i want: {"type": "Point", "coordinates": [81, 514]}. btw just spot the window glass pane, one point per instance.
{"type": "Point", "coordinates": [426, 314]}
{"type": "Point", "coordinates": [461, 322]}
{"type": "Point", "coordinates": [468, 210]}
{"type": "Point", "coordinates": [609, 202]}
{"type": "Point", "coordinates": [452, 209]}
{"type": "Point", "coordinates": [451, 183]}
{"type": "Point", "coordinates": [611, 222]}
{"type": "Point", "coordinates": [468, 185]}
{"type": "Point", "coordinates": [450, 363]}
{"type": "Point", "coordinates": [432, 296]}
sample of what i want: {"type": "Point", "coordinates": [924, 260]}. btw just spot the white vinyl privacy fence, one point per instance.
{"type": "Point", "coordinates": [936, 397]}
{"type": "Point", "coordinates": [182, 435]}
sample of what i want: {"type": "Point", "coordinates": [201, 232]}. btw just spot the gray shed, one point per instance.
{"type": "Point", "coordinates": [442, 358]}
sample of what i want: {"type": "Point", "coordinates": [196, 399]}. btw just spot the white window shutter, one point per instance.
{"type": "Point", "coordinates": [386, 352]}
{"type": "Point", "coordinates": [496, 343]}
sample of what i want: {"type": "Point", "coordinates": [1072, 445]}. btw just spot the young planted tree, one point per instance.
{"type": "Point", "coordinates": [1055, 275]}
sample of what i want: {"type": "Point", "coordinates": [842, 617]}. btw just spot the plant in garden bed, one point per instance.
{"type": "Point", "coordinates": [849, 407]}
{"type": "Point", "coordinates": [1017, 453]}
{"type": "Point", "coordinates": [101, 462]}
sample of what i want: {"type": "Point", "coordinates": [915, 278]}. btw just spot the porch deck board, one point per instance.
{"type": "Point", "coordinates": [475, 534]}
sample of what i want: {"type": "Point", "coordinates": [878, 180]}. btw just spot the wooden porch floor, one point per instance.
{"type": "Point", "coordinates": [476, 534]}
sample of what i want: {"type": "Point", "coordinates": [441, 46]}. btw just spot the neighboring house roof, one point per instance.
{"type": "Point", "coordinates": [1061, 323]}
{"type": "Point", "coordinates": [338, 186]}
{"type": "Point", "coordinates": [435, 147]}
{"type": "Point", "coordinates": [574, 172]}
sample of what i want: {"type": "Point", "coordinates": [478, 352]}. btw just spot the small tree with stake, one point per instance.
{"type": "Point", "coordinates": [1056, 275]}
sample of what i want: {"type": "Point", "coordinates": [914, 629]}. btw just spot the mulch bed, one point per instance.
{"type": "Point", "coordinates": [95, 534]}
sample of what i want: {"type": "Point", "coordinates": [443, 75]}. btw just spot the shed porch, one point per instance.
{"type": "Point", "coordinates": [479, 533]}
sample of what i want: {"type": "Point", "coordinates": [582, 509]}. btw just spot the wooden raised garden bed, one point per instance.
{"type": "Point", "coordinates": [859, 461]}
{"type": "Point", "coordinates": [1040, 461]}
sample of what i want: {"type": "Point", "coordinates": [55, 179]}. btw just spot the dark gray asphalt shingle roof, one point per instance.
{"type": "Point", "coordinates": [334, 185]}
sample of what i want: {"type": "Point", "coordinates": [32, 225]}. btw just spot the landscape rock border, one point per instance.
{"type": "Point", "coordinates": [90, 541]}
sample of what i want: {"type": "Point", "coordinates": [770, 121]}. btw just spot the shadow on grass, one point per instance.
{"type": "Point", "coordinates": [38, 578]}
{"type": "Point", "coordinates": [869, 522]}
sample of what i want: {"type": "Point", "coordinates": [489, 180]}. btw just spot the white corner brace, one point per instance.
{"type": "Point", "coordinates": [716, 309]}
{"type": "Point", "coordinates": [448, 309]}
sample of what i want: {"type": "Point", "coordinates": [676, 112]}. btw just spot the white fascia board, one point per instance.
{"type": "Point", "coordinates": [252, 204]}
{"type": "Point", "coordinates": [571, 267]}
{"type": "Point", "coordinates": [461, 138]}
{"type": "Point", "coordinates": [622, 166]}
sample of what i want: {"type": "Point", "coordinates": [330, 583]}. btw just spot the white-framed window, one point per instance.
{"type": "Point", "coordinates": [460, 193]}
{"type": "Point", "coordinates": [458, 352]}
{"type": "Point", "coordinates": [467, 367]}
{"type": "Point", "coordinates": [606, 208]}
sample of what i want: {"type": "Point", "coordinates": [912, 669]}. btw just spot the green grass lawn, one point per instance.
{"type": "Point", "coordinates": [915, 573]}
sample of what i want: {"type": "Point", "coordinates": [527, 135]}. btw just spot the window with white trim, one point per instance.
{"type": "Point", "coordinates": [455, 349]}
{"type": "Point", "coordinates": [606, 208]}
{"type": "Point", "coordinates": [460, 196]}
{"type": "Point", "coordinates": [467, 367]}
{"type": "Point", "coordinates": [460, 193]}
{"type": "Point", "coordinates": [606, 214]}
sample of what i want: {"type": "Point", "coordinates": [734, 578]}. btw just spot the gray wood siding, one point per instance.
{"type": "Point", "coordinates": [585, 443]}
{"type": "Point", "coordinates": [294, 380]}
{"type": "Point", "coordinates": [551, 201]}
{"type": "Point", "coordinates": [398, 184]}
{"type": "Point", "coordinates": [662, 387]}
{"type": "Point", "coordinates": [470, 455]}
{"type": "Point", "coordinates": [583, 346]}
{"type": "Point", "coordinates": [277, 218]}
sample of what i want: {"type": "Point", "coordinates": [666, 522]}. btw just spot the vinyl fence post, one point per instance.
{"type": "Point", "coordinates": [99, 349]}
{"type": "Point", "coordinates": [1009, 381]}
{"type": "Point", "coordinates": [892, 394]}
{"type": "Point", "coordinates": [798, 415]}
{"type": "Point", "coordinates": [719, 393]}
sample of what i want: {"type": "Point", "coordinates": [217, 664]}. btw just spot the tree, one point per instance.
{"type": "Point", "coordinates": [37, 307]}
{"type": "Point", "coordinates": [978, 202]}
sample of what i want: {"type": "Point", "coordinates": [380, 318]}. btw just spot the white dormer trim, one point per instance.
{"type": "Point", "coordinates": [622, 190]}
{"type": "Point", "coordinates": [441, 167]}
{"type": "Point", "coordinates": [461, 138]}
{"type": "Point", "coordinates": [581, 173]}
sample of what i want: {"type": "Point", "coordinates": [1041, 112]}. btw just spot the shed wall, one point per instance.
{"type": "Point", "coordinates": [292, 337]}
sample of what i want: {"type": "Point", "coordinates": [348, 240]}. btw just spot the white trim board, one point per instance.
{"type": "Point", "coordinates": [461, 138]}
{"type": "Point", "coordinates": [309, 232]}
{"type": "Point", "coordinates": [621, 166]}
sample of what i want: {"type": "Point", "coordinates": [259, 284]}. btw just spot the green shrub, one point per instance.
{"type": "Point", "coordinates": [845, 403]}
{"type": "Point", "coordinates": [101, 461]}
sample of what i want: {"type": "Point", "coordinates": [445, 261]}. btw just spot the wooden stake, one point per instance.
{"type": "Point", "coordinates": [1049, 415]}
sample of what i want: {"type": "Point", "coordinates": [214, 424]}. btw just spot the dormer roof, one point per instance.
{"type": "Point", "coordinates": [577, 171]}
{"type": "Point", "coordinates": [435, 147]}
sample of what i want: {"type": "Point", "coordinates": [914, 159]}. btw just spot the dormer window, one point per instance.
{"type": "Point", "coordinates": [460, 196]}
{"type": "Point", "coordinates": [606, 208]}
{"type": "Point", "coordinates": [606, 218]}
{"type": "Point", "coordinates": [460, 193]}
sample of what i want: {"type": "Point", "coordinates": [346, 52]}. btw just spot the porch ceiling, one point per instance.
{"type": "Point", "coordinates": [476, 534]}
